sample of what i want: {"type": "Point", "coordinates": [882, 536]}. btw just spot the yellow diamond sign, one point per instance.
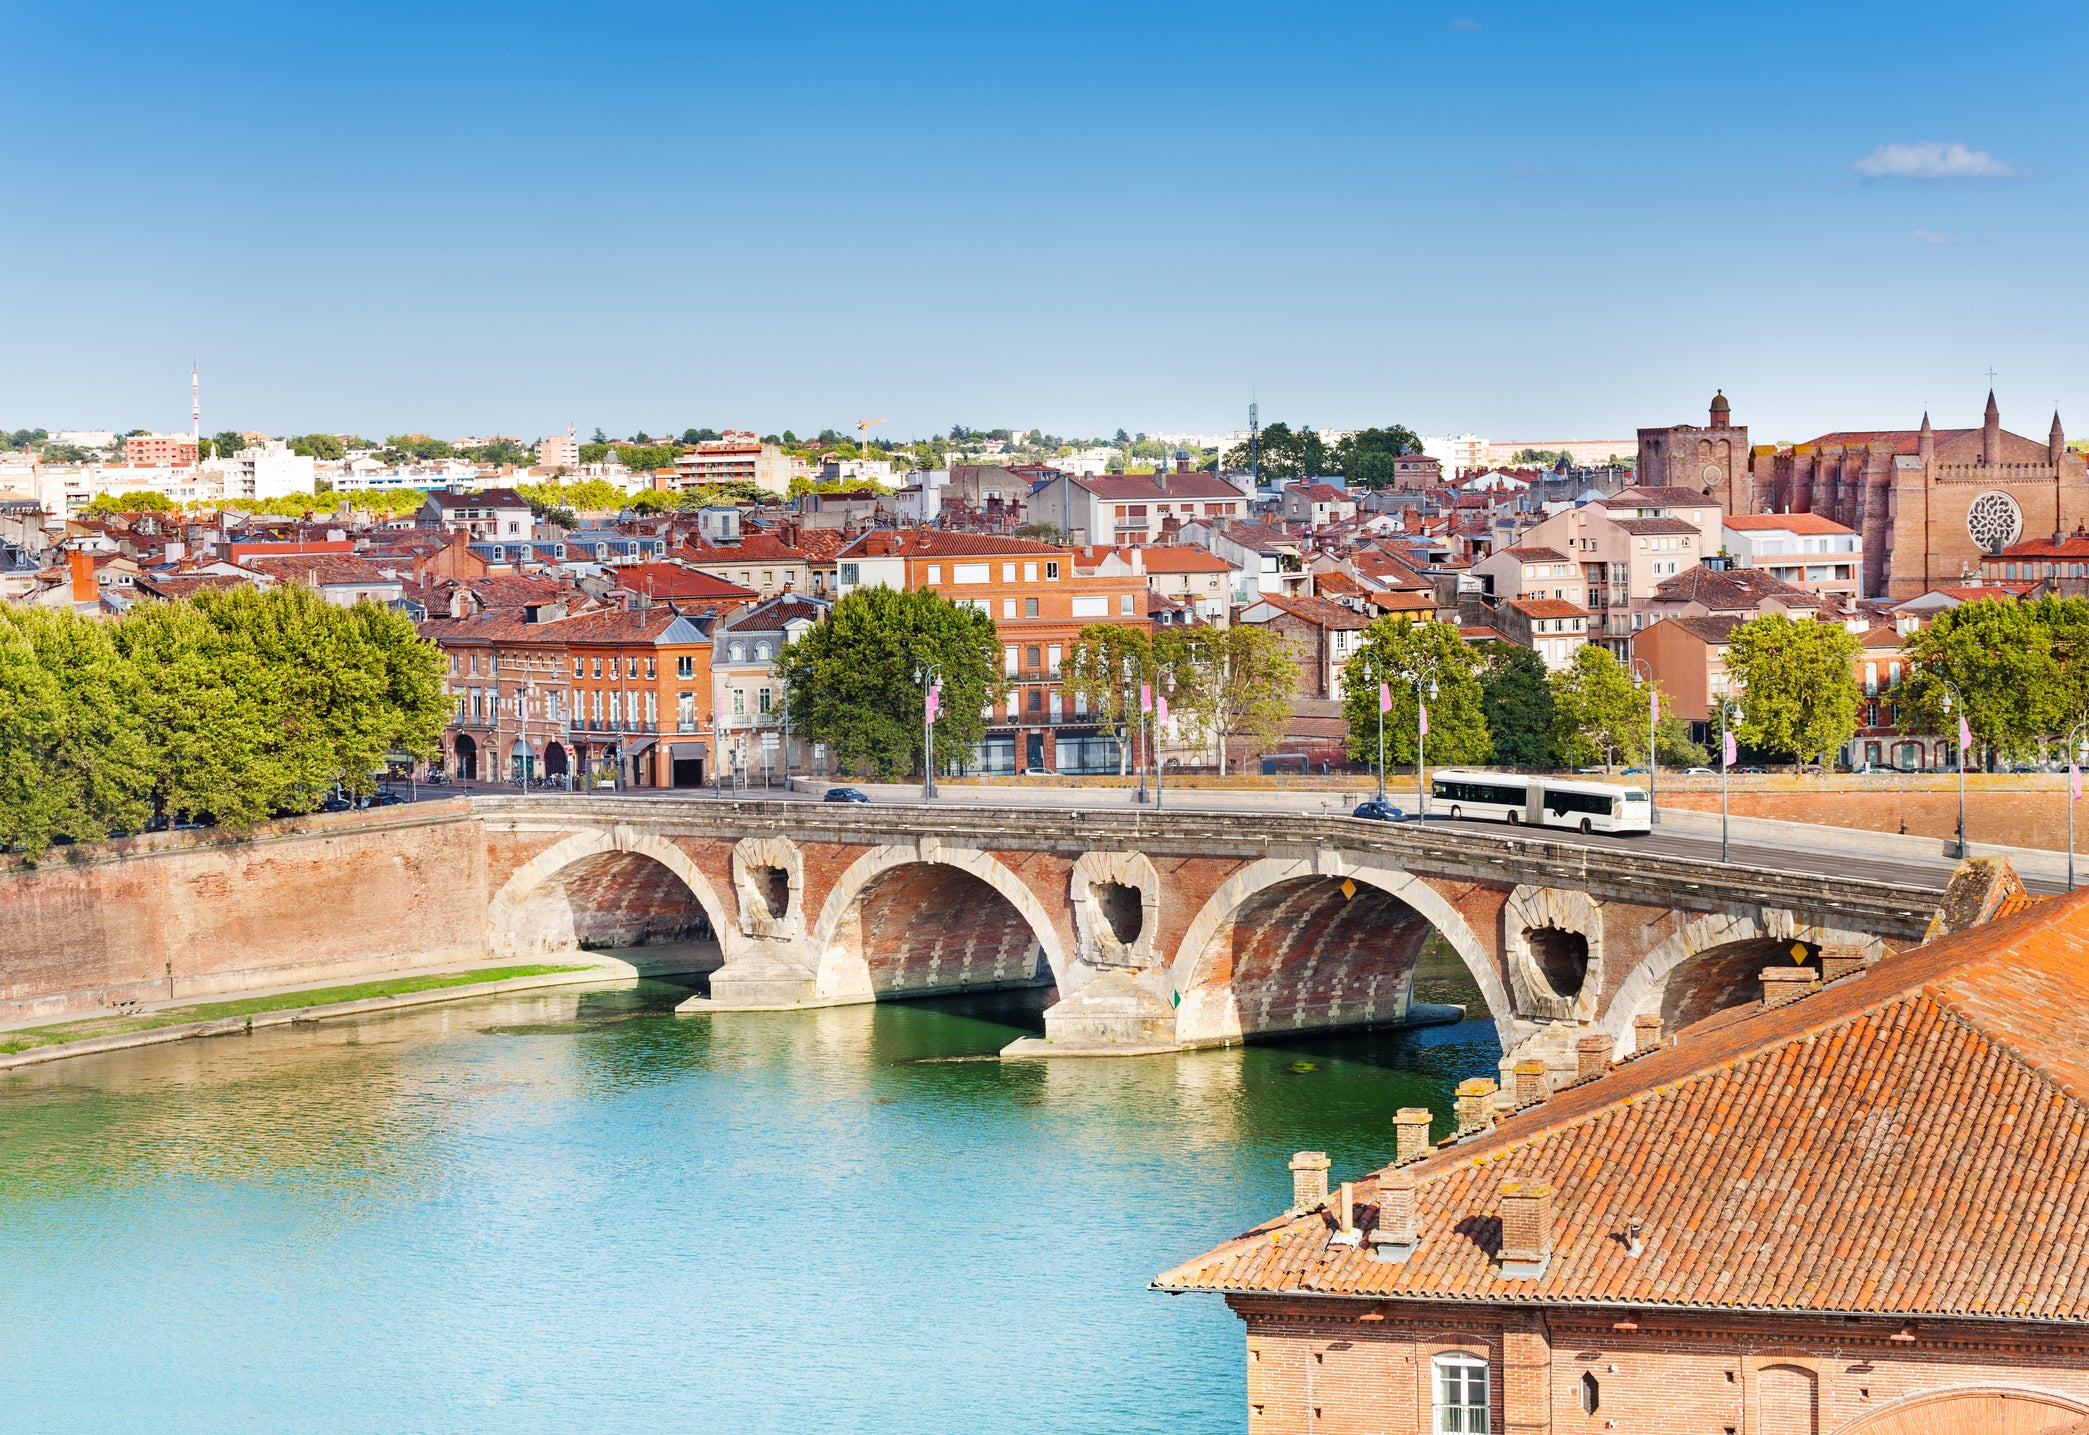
{"type": "Point", "coordinates": [1799, 953]}
{"type": "Point", "coordinates": [1348, 888]}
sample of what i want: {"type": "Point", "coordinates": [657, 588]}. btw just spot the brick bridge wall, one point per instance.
{"type": "Point", "coordinates": [1231, 925]}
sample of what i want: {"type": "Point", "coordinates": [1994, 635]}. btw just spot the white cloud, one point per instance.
{"type": "Point", "coordinates": [1931, 159]}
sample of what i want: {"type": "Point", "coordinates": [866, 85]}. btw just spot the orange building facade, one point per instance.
{"type": "Point", "coordinates": [1039, 602]}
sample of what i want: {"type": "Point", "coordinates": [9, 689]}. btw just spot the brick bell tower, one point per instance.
{"type": "Point", "coordinates": [1713, 459]}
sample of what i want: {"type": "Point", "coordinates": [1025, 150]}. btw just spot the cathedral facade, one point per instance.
{"type": "Point", "coordinates": [1929, 502]}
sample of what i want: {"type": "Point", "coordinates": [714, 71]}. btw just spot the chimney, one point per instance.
{"type": "Point", "coordinates": [1411, 1133]}
{"type": "Point", "coordinates": [1138, 562]}
{"type": "Point", "coordinates": [1782, 985]}
{"type": "Point", "coordinates": [1346, 1233]}
{"type": "Point", "coordinates": [1646, 1031]}
{"type": "Point", "coordinates": [1526, 1229]}
{"type": "Point", "coordinates": [84, 587]}
{"type": "Point", "coordinates": [1592, 1054]}
{"type": "Point", "coordinates": [1839, 960]}
{"type": "Point", "coordinates": [1475, 1104]}
{"type": "Point", "coordinates": [1531, 1085]}
{"type": "Point", "coordinates": [1393, 1239]}
{"type": "Point", "coordinates": [1308, 1181]}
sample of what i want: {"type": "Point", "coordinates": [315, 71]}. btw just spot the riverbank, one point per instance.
{"type": "Point", "coordinates": [180, 1021]}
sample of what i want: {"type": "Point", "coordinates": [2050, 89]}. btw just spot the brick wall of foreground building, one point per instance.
{"type": "Point", "coordinates": [309, 900]}
{"type": "Point", "coordinates": [1318, 1367]}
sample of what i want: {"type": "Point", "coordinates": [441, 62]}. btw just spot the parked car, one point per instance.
{"type": "Point", "coordinates": [1587, 771]}
{"type": "Point", "coordinates": [1378, 811]}
{"type": "Point", "coordinates": [1039, 772]}
{"type": "Point", "coordinates": [383, 797]}
{"type": "Point", "coordinates": [1751, 771]}
{"type": "Point", "coordinates": [337, 801]}
{"type": "Point", "coordinates": [845, 794]}
{"type": "Point", "coordinates": [1699, 772]}
{"type": "Point", "coordinates": [1634, 772]}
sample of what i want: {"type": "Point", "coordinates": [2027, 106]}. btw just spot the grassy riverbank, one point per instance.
{"type": "Point", "coordinates": [30, 1038]}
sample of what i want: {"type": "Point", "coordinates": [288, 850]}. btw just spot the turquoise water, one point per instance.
{"type": "Point", "coordinates": [579, 1212]}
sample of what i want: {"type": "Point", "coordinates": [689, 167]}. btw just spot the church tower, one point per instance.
{"type": "Point", "coordinates": [2056, 442]}
{"type": "Point", "coordinates": [1991, 434]}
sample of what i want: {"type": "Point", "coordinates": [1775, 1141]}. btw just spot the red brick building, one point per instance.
{"type": "Point", "coordinates": [1856, 1206]}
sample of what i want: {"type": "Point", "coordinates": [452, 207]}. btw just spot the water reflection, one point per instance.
{"type": "Point", "coordinates": [579, 1211]}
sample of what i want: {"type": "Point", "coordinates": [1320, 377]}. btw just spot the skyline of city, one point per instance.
{"type": "Point", "coordinates": [1494, 219]}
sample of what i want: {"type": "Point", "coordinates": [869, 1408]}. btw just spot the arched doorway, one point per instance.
{"type": "Point", "coordinates": [554, 760]}
{"type": "Point", "coordinates": [467, 762]}
{"type": "Point", "coordinates": [1971, 1412]}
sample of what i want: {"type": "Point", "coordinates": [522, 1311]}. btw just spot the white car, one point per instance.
{"type": "Point", "coordinates": [1699, 772]}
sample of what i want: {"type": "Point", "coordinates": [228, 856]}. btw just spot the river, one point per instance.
{"type": "Point", "coordinates": [578, 1212]}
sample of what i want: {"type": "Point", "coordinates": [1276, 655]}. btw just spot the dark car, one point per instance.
{"type": "Point", "coordinates": [383, 798]}
{"type": "Point", "coordinates": [1751, 771]}
{"type": "Point", "coordinates": [1379, 812]}
{"type": "Point", "coordinates": [337, 802]}
{"type": "Point", "coordinates": [844, 794]}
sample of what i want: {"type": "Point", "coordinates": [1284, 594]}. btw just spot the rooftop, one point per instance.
{"type": "Point", "coordinates": [1807, 523]}
{"type": "Point", "coordinates": [1905, 1141]}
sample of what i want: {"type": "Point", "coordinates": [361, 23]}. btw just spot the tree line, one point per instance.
{"type": "Point", "coordinates": [1365, 458]}
{"type": "Point", "coordinates": [233, 706]}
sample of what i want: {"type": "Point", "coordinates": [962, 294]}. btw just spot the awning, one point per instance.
{"type": "Point", "coordinates": [632, 747]}
{"type": "Point", "coordinates": [684, 751]}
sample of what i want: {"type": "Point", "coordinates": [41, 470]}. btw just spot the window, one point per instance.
{"type": "Point", "coordinates": [969, 573]}
{"type": "Point", "coordinates": [652, 708]}
{"type": "Point", "coordinates": [630, 667]}
{"type": "Point", "coordinates": [1029, 572]}
{"type": "Point", "coordinates": [685, 666]}
{"type": "Point", "coordinates": [1096, 606]}
{"type": "Point", "coordinates": [1009, 657]}
{"type": "Point", "coordinates": [848, 575]}
{"type": "Point", "coordinates": [1008, 572]}
{"type": "Point", "coordinates": [761, 651]}
{"type": "Point", "coordinates": [1008, 607]}
{"type": "Point", "coordinates": [764, 704]}
{"type": "Point", "coordinates": [1034, 654]}
{"type": "Point", "coordinates": [598, 667]}
{"type": "Point", "coordinates": [652, 670]}
{"type": "Point", "coordinates": [1052, 655]}
{"type": "Point", "coordinates": [1591, 1392]}
{"type": "Point", "coordinates": [768, 577]}
{"type": "Point", "coordinates": [1461, 1395]}
{"type": "Point", "coordinates": [1124, 605]}
{"type": "Point", "coordinates": [737, 652]}
{"type": "Point", "coordinates": [739, 702]}
{"type": "Point", "coordinates": [1051, 570]}
{"type": "Point", "coordinates": [578, 664]}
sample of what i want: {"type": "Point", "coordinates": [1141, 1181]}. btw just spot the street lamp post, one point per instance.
{"type": "Point", "coordinates": [1653, 716]}
{"type": "Point", "coordinates": [1951, 694]}
{"type": "Point", "coordinates": [1138, 728]}
{"type": "Point", "coordinates": [1729, 714]}
{"type": "Point", "coordinates": [1383, 704]}
{"type": "Point", "coordinates": [928, 678]}
{"type": "Point", "coordinates": [1421, 740]}
{"type": "Point", "coordinates": [2074, 770]}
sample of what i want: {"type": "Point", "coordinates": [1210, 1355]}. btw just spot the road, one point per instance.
{"type": "Point", "coordinates": [1832, 859]}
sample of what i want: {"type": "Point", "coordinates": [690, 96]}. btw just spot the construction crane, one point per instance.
{"type": "Point", "coordinates": [863, 427]}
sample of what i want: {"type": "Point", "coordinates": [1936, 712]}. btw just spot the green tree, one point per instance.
{"type": "Point", "coordinates": [1366, 457]}
{"type": "Point", "coordinates": [1672, 744]}
{"type": "Point", "coordinates": [1598, 715]}
{"type": "Point", "coordinates": [1799, 684]}
{"type": "Point", "coordinates": [418, 447]}
{"type": "Point", "coordinates": [502, 450]}
{"type": "Point", "coordinates": [1286, 453]}
{"type": "Point", "coordinates": [850, 681]}
{"type": "Point", "coordinates": [1234, 683]}
{"type": "Point", "coordinates": [1104, 665]}
{"type": "Point", "coordinates": [226, 442]}
{"type": "Point", "coordinates": [72, 761]}
{"type": "Point", "coordinates": [644, 458]}
{"type": "Point", "coordinates": [1516, 700]}
{"type": "Point", "coordinates": [324, 446]}
{"type": "Point", "coordinates": [2021, 671]}
{"type": "Point", "coordinates": [144, 501]}
{"type": "Point", "coordinates": [1407, 656]}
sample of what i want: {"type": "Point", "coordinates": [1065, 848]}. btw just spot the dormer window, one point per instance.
{"type": "Point", "coordinates": [738, 651]}
{"type": "Point", "coordinates": [761, 652]}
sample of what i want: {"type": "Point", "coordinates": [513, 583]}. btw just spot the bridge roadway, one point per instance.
{"type": "Point", "coordinates": [1890, 898]}
{"type": "Point", "coordinates": [1829, 857]}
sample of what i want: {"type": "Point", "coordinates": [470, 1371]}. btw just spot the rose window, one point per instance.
{"type": "Point", "coordinates": [1994, 521]}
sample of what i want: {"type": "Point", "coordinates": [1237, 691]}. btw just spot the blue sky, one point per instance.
{"type": "Point", "coordinates": [1524, 220]}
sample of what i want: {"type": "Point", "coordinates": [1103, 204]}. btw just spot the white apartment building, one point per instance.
{"type": "Point", "coordinates": [1458, 453]}
{"type": "Point", "coordinates": [268, 470]}
{"type": "Point", "coordinates": [1803, 549]}
{"type": "Point", "coordinates": [737, 456]}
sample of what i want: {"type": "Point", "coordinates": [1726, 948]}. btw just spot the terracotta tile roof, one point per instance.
{"type": "Point", "coordinates": [1784, 523]}
{"type": "Point", "coordinates": [1907, 1141]}
{"type": "Point", "coordinates": [1719, 630]}
{"type": "Point", "coordinates": [1644, 526]}
{"type": "Point", "coordinates": [1539, 555]}
{"type": "Point", "coordinates": [672, 580]}
{"type": "Point", "coordinates": [1403, 600]}
{"type": "Point", "coordinates": [752, 548]}
{"type": "Point", "coordinates": [316, 569]}
{"type": "Point", "coordinates": [1143, 487]}
{"type": "Point", "coordinates": [1733, 588]}
{"type": "Point", "coordinates": [1314, 610]}
{"type": "Point", "coordinates": [945, 543]}
{"type": "Point", "coordinates": [1321, 493]}
{"type": "Point", "coordinates": [1178, 558]}
{"type": "Point", "coordinates": [1660, 498]}
{"type": "Point", "coordinates": [1548, 608]}
{"type": "Point", "coordinates": [2074, 546]}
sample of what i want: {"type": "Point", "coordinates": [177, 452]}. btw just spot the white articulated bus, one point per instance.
{"type": "Point", "coordinates": [1543, 801]}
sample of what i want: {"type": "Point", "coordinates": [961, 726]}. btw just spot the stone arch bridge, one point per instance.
{"type": "Point", "coordinates": [1165, 930]}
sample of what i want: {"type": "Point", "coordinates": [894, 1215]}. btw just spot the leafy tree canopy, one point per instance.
{"type": "Point", "coordinates": [850, 682]}
{"type": "Point", "coordinates": [2021, 672]}
{"type": "Point", "coordinates": [323, 446]}
{"type": "Point", "coordinates": [1407, 657]}
{"type": "Point", "coordinates": [1516, 700]}
{"type": "Point", "coordinates": [1598, 715]}
{"type": "Point", "coordinates": [1798, 684]}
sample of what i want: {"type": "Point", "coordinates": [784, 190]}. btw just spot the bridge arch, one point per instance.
{"type": "Point", "coordinates": [891, 926]}
{"type": "Point", "coordinates": [1717, 957]}
{"type": "Point", "coordinates": [600, 887]}
{"type": "Point", "coordinates": [1308, 895]}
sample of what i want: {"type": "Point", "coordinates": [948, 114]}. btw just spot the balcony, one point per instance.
{"type": "Point", "coordinates": [581, 727]}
